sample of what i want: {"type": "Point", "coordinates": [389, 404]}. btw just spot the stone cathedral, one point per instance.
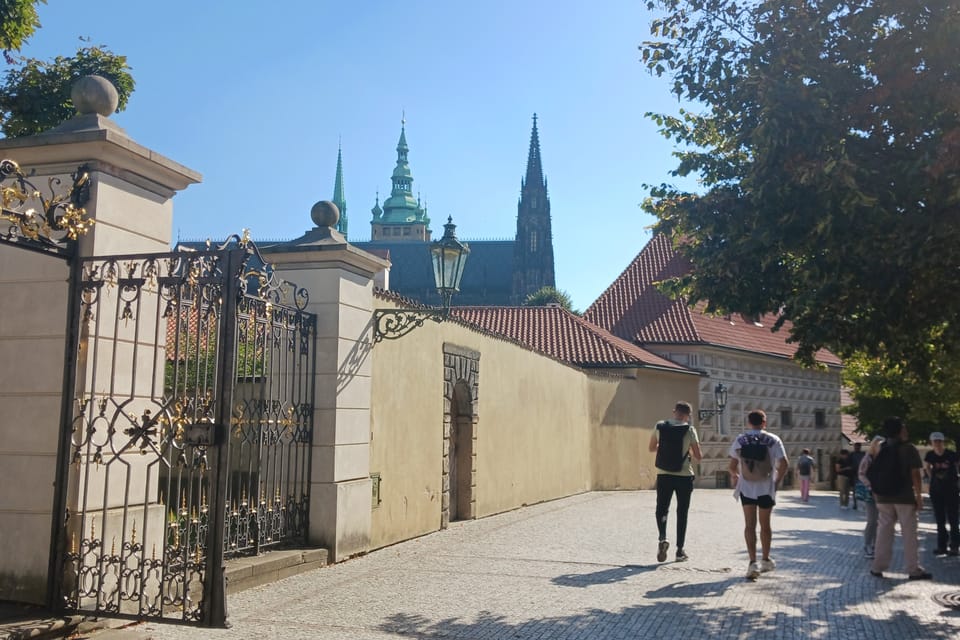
{"type": "Point", "coordinates": [498, 273]}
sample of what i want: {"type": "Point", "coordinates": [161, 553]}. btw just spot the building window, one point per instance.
{"type": "Point", "coordinates": [406, 231]}
{"type": "Point", "coordinates": [819, 418]}
{"type": "Point", "coordinates": [786, 418]}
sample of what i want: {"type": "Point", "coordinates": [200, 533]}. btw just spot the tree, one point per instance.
{"type": "Point", "coordinates": [549, 295]}
{"type": "Point", "coordinates": [36, 96]}
{"type": "Point", "coordinates": [18, 21]}
{"type": "Point", "coordinates": [880, 389]}
{"type": "Point", "coordinates": [828, 149]}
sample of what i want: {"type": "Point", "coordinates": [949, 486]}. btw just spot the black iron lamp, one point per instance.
{"type": "Point", "coordinates": [720, 397]}
{"type": "Point", "coordinates": [449, 256]}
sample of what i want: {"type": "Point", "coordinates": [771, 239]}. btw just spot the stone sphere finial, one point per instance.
{"type": "Point", "coordinates": [94, 94]}
{"type": "Point", "coordinates": [325, 214]}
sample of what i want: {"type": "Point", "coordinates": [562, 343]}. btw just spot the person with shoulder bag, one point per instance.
{"type": "Point", "coordinates": [676, 444]}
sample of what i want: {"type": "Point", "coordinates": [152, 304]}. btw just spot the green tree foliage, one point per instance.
{"type": "Point", "coordinates": [35, 97]}
{"type": "Point", "coordinates": [18, 21]}
{"type": "Point", "coordinates": [826, 137]}
{"type": "Point", "coordinates": [549, 295]}
{"type": "Point", "coordinates": [881, 389]}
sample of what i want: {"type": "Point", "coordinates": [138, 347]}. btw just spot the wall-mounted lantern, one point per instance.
{"type": "Point", "coordinates": [720, 397]}
{"type": "Point", "coordinates": [449, 256]}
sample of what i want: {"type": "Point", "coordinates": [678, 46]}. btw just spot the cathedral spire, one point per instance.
{"type": "Point", "coordinates": [338, 195]}
{"type": "Point", "coordinates": [533, 249]}
{"type": "Point", "coordinates": [534, 177]}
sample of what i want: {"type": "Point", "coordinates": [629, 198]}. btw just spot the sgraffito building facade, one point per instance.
{"type": "Point", "coordinates": [754, 363]}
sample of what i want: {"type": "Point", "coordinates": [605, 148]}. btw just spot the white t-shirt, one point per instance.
{"type": "Point", "coordinates": [768, 487]}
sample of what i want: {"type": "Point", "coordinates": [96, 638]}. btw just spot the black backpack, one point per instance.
{"type": "Point", "coordinates": [670, 452]}
{"type": "Point", "coordinates": [755, 457]}
{"type": "Point", "coordinates": [884, 473]}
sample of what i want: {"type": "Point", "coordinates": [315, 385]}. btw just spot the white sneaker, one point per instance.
{"type": "Point", "coordinates": [767, 565]}
{"type": "Point", "coordinates": [753, 571]}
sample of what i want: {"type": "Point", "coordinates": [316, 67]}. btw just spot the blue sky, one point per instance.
{"type": "Point", "coordinates": [256, 97]}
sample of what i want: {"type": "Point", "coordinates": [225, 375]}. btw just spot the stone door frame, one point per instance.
{"type": "Point", "coordinates": [461, 366]}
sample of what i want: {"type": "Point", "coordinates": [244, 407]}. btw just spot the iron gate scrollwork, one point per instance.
{"type": "Point", "coordinates": [189, 436]}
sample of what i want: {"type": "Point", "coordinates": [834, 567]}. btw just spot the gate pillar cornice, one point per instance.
{"type": "Point", "coordinates": [132, 185]}
{"type": "Point", "coordinates": [339, 278]}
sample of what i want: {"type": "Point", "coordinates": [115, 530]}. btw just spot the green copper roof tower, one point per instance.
{"type": "Point", "coordinates": [338, 197]}
{"type": "Point", "coordinates": [402, 218]}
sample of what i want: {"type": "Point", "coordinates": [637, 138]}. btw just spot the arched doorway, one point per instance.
{"type": "Point", "coordinates": [461, 454]}
{"type": "Point", "coordinates": [461, 371]}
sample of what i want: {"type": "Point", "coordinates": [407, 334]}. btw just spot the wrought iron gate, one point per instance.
{"type": "Point", "coordinates": [188, 436]}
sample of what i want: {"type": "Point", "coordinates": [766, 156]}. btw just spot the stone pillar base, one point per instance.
{"type": "Point", "coordinates": [340, 517]}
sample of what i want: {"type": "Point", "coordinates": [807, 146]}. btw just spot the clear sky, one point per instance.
{"type": "Point", "coordinates": [256, 96]}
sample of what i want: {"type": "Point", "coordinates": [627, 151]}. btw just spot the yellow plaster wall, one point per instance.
{"type": "Point", "coordinates": [623, 412]}
{"type": "Point", "coordinates": [544, 430]}
{"type": "Point", "coordinates": [406, 437]}
{"type": "Point", "coordinates": [532, 436]}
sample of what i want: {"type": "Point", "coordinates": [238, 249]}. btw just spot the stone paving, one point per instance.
{"type": "Point", "coordinates": [584, 568]}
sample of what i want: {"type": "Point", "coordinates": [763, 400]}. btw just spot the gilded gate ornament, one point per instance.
{"type": "Point", "coordinates": [45, 223]}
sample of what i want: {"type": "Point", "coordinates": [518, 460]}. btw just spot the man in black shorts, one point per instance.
{"type": "Point", "coordinates": [757, 463]}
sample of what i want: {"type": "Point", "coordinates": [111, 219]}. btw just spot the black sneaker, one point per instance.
{"type": "Point", "coordinates": [953, 552]}
{"type": "Point", "coordinates": [939, 552]}
{"type": "Point", "coordinates": [923, 575]}
{"type": "Point", "coordinates": [682, 556]}
{"type": "Point", "coordinates": [662, 550]}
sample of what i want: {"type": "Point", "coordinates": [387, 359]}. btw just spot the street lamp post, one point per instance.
{"type": "Point", "coordinates": [448, 256]}
{"type": "Point", "coordinates": [720, 397]}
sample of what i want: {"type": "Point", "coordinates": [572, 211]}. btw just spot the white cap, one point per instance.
{"type": "Point", "coordinates": [936, 435]}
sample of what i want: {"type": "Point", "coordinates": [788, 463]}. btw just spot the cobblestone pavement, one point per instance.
{"type": "Point", "coordinates": [585, 567]}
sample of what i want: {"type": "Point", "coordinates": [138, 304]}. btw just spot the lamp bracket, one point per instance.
{"type": "Point", "coordinates": [390, 324]}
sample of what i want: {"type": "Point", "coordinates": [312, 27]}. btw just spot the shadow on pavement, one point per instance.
{"type": "Point", "coordinates": [605, 576]}
{"type": "Point", "coordinates": [658, 620]}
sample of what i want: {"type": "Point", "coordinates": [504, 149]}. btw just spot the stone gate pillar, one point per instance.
{"type": "Point", "coordinates": [131, 201]}
{"type": "Point", "coordinates": [339, 280]}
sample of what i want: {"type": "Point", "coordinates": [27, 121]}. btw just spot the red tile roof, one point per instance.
{"type": "Point", "coordinates": [561, 335]}
{"type": "Point", "coordinates": [633, 309]}
{"type": "Point", "coordinates": [848, 423]}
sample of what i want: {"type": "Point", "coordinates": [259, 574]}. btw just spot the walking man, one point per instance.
{"type": "Point", "coordinates": [843, 469]}
{"type": "Point", "coordinates": [757, 463]}
{"type": "Point", "coordinates": [676, 444]}
{"type": "Point", "coordinates": [895, 481]}
{"type": "Point", "coordinates": [805, 468]}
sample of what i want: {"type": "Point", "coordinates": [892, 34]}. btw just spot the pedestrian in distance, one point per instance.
{"type": "Point", "coordinates": [895, 480]}
{"type": "Point", "coordinates": [856, 457]}
{"type": "Point", "coordinates": [805, 468]}
{"type": "Point", "coordinates": [677, 446]}
{"type": "Point", "coordinates": [941, 465]}
{"type": "Point", "coordinates": [843, 470]}
{"type": "Point", "coordinates": [866, 496]}
{"type": "Point", "coordinates": [758, 461]}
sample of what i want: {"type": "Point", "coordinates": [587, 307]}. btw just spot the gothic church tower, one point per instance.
{"type": "Point", "coordinates": [533, 247]}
